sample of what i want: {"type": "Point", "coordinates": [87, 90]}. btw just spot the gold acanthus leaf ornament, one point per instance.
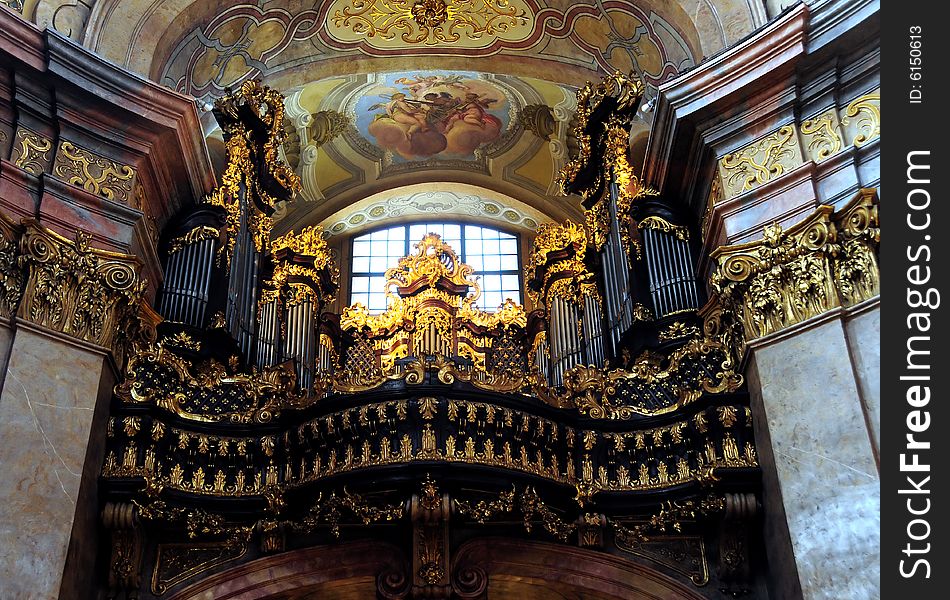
{"type": "Point", "coordinates": [823, 262]}
{"type": "Point", "coordinates": [87, 293]}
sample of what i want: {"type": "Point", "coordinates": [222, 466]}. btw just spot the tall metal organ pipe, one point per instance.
{"type": "Point", "coordinates": [619, 299]}
{"type": "Point", "coordinates": [243, 283]}
{"type": "Point", "coordinates": [301, 340]}
{"type": "Point", "coordinates": [670, 271]}
{"type": "Point", "coordinates": [188, 273]}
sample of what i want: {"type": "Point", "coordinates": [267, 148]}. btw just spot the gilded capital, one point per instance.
{"type": "Point", "coordinates": [826, 261]}
{"type": "Point", "coordinates": [91, 294]}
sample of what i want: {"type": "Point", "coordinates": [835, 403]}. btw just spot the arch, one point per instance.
{"type": "Point", "coordinates": [507, 568]}
{"type": "Point", "coordinates": [348, 570]}
{"type": "Point", "coordinates": [484, 567]}
{"type": "Point", "coordinates": [436, 200]}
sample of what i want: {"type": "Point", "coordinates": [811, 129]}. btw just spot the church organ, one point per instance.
{"type": "Point", "coordinates": [260, 422]}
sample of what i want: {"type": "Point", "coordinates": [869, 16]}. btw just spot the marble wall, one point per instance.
{"type": "Point", "coordinates": [781, 123]}
{"type": "Point", "coordinates": [864, 343]}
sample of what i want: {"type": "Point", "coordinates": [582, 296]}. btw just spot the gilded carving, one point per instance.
{"type": "Point", "coordinates": [827, 260]}
{"type": "Point", "coordinates": [31, 151]}
{"type": "Point", "coordinates": [671, 459]}
{"type": "Point", "coordinates": [80, 167]}
{"type": "Point", "coordinates": [193, 236]}
{"type": "Point", "coordinates": [685, 554]}
{"type": "Point", "coordinates": [90, 294]}
{"type": "Point", "coordinates": [627, 91]}
{"type": "Point", "coordinates": [309, 241]}
{"type": "Point", "coordinates": [242, 152]}
{"type": "Point", "coordinates": [11, 274]}
{"type": "Point", "coordinates": [528, 503]}
{"type": "Point", "coordinates": [864, 115]}
{"type": "Point", "coordinates": [431, 297]}
{"type": "Point", "coordinates": [430, 22]}
{"type": "Point", "coordinates": [821, 136]}
{"type": "Point", "coordinates": [760, 161]}
{"type": "Point", "coordinates": [558, 252]}
{"type": "Point", "coordinates": [857, 274]}
{"type": "Point", "coordinates": [629, 188]}
{"type": "Point", "coordinates": [125, 561]}
{"type": "Point", "coordinates": [329, 511]}
{"type": "Point", "coordinates": [254, 397]}
{"type": "Point", "coordinates": [661, 224]}
{"type": "Point", "coordinates": [677, 330]}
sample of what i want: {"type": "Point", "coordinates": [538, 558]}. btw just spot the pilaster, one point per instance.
{"type": "Point", "coordinates": [808, 301]}
{"type": "Point", "coordinates": [94, 161]}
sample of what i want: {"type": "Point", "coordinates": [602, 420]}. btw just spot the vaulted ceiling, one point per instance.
{"type": "Point", "coordinates": [509, 66]}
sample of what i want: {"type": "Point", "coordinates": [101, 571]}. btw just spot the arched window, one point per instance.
{"type": "Point", "coordinates": [492, 253]}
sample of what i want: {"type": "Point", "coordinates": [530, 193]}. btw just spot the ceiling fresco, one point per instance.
{"type": "Point", "coordinates": [246, 41]}
{"type": "Point", "coordinates": [385, 94]}
{"type": "Point", "coordinates": [432, 115]}
{"type": "Point", "coordinates": [352, 137]}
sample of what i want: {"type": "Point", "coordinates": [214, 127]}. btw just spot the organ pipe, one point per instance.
{"type": "Point", "coordinates": [670, 271]}
{"type": "Point", "coordinates": [188, 273]}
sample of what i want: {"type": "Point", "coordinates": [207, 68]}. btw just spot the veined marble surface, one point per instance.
{"type": "Point", "coordinates": [46, 411]}
{"type": "Point", "coordinates": [826, 469]}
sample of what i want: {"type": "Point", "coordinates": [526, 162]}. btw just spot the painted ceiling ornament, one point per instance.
{"type": "Point", "coordinates": [430, 22]}
{"type": "Point", "coordinates": [430, 13]}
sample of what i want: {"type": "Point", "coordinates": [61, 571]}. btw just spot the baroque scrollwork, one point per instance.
{"type": "Point", "coordinates": [103, 177]}
{"type": "Point", "coordinates": [31, 151]}
{"type": "Point", "coordinates": [192, 236]}
{"type": "Point", "coordinates": [245, 152]}
{"type": "Point", "coordinates": [211, 394]}
{"type": "Point", "coordinates": [178, 562]}
{"type": "Point", "coordinates": [826, 261]}
{"type": "Point", "coordinates": [865, 112]}
{"type": "Point", "coordinates": [625, 91]}
{"type": "Point", "coordinates": [527, 502]}
{"type": "Point", "coordinates": [431, 312]}
{"type": "Point", "coordinates": [429, 22]}
{"type": "Point", "coordinates": [760, 161]}
{"type": "Point", "coordinates": [821, 135]}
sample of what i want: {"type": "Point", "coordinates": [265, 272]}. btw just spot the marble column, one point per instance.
{"type": "Point", "coordinates": [89, 149]}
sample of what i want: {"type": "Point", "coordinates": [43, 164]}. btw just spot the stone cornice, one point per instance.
{"type": "Point", "coordinates": [742, 69]}
{"type": "Point", "coordinates": [131, 120]}
{"type": "Point", "coordinates": [830, 18]}
{"type": "Point", "coordinates": [21, 41]}
{"type": "Point", "coordinates": [155, 108]}
{"type": "Point", "coordinates": [715, 89]}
